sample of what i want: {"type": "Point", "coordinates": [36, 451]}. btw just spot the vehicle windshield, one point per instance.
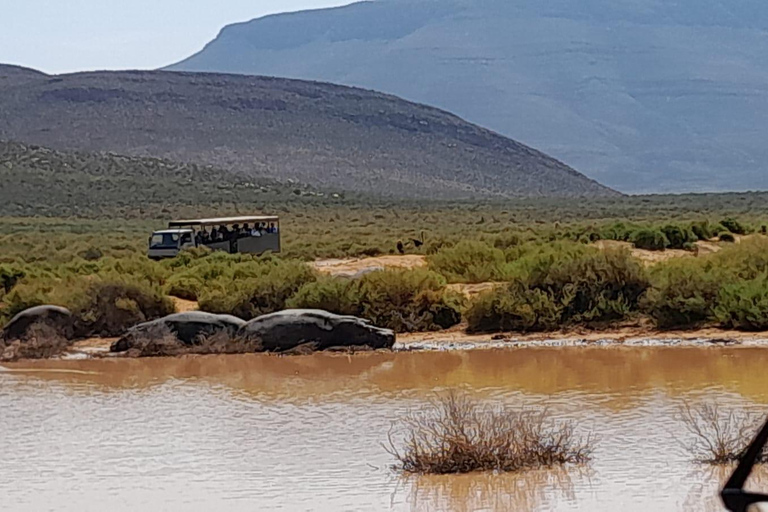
{"type": "Point", "coordinates": [164, 240]}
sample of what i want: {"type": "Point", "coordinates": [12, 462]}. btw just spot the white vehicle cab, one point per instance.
{"type": "Point", "coordinates": [253, 235]}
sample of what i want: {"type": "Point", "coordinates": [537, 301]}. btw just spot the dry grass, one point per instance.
{"type": "Point", "coordinates": [161, 342]}
{"type": "Point", "coordinates": [41, 342]}
{"type": "Point", "coordinates": [719, 436]}
{"type": "Point", "coordinates": [455, 434]}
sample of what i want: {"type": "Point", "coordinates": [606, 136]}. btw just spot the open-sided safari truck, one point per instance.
{"type": "Point", "coordinates": [252, 235]}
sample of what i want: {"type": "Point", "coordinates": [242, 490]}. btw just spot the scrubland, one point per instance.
{"type": "Point", "coordinates": [551, 274]}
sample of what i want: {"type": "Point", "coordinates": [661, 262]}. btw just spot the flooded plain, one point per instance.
{"type": "Point", "coordinates": [256, 432]}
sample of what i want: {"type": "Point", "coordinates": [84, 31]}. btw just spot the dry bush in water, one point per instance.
{"type": "Point", "coordinates": [718, 436]}
{"type": "Point", "coordinates": [455, 434]}
{"type": "Point", "coordinates": [41, 342]}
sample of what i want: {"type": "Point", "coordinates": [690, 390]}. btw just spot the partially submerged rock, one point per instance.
{"type": "Point", "coordinates": [285, 330]}
{"type": "Point", "coordinates": [187, 329]}
{"type": "Point", "coordinates": [55, 319]}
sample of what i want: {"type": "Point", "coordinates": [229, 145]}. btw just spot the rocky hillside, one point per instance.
{"type": "Point", "coordinates": [318, 134]}
{"type": "Point", "coordinates": [41, 181]}
{"type": "Point", "coordinates": [644, 96]}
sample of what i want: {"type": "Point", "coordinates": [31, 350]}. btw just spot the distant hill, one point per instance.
{"type": "Point", "coordinates": [319, 134]}
{"type": "Point", "coordinates": [644, 96]}
{"type": "Point", "coordinates": [41, 181]}
{"type": "Point", "coordinates": [16, 75]}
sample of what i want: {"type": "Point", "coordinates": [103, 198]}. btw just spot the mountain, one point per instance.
{"type": "Point", "coordinates": [642, 95]}
{"type": "Point", "coordinates": [320, 134]}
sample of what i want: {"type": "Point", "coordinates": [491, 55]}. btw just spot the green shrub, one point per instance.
{"type": "Point", "coordinates": [257, 296]}
{"type": "Point", "coordinates": [23, 296]}
{"type": "Point", "coordinates": [678, 237]}
{"type": "Point", "coordinates": [402, 300]}
{"type": "Point", "coordinates": [188, 257]}
{"type": "Point", "coordinates": [233, 301]}
{"type": "Point", "coordinates": [433, 246]}
{"type": "Point", "coordinates": [513, 308]}
{"type": "Point", "coordinates": [649, 239]}
{"type": "Point", "coordinates": [332, 294]}
{"type": "Point", "coordinates": [469, 261]}
{"type": "Point", "coordinates": [703, 230]}
{"type": "Point", "coordinates": [734, 226]}
{"type": "Point", "coordinates": [683, 294]}
{"type": "Point", "coordinates": [408, 300]}
{"type": "Point", "coordinates": [562, 287]}
{"type": "Point", "coordinates": [619, 232]}
{"type": "Point", "coordinates": [743, 305]}
{"type": "Point", "coordinates": [184, 286]}
{"type": "Point", "coordinates": [506, 240]}
{"type": "Point", "coordinates": [745, 261]}
{"type": "Point", "coordinates": [91, 254]}
{"type": "Point", "coordinates": [135, 267]}
{"type": "Point", "coordinates": [9, 276]}
{"type": "Point", "coordinates": [592, 285]}
{"type": "Point", "coordinates": [109, 308]}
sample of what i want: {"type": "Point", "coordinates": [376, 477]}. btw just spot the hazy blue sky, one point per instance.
{"type": "Point", "coordinates": [58, 36]}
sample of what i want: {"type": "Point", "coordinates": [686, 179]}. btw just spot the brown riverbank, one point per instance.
{"type": "Point", "coordinates": [458, 339]}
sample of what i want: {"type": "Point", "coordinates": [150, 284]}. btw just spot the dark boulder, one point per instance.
{"type": "Point", "coordinates": [188, 328]}
{"type": "Point", "coordinates": [286, 330]}
{"type": "Point", "coordinates": [54, 318]}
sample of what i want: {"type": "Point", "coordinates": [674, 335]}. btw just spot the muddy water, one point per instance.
{"type": "Point", "coordinates": [304, 433]}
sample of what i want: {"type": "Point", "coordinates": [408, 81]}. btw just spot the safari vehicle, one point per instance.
{"type": "Point", "coordinates": [252, 235]}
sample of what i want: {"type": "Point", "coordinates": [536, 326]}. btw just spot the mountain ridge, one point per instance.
{"type": "Point", "coordinates": [318, 133]}
{"type": "Point", "coordinates": [645, 97]}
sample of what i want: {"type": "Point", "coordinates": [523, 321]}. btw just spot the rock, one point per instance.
{"type": "Point", "coordinates": [188, 328]}
{"type": "Point", "coordinates": [286, 330]}
{"type": "Point", "coordinates": [56, 319]}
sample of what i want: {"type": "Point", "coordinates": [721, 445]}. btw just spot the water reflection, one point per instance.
{"type": "Point", "coordinates": [618, 374]}
{"type": "Point", "coordinates": [536, 490]}
{"type": "Point", "coordinates": [704, 494]}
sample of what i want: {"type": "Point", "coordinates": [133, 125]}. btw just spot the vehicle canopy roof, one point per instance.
{"type": "Point", "coordinates": [178, 231]}
{"type": "Point", "coordinates": [223, 221]}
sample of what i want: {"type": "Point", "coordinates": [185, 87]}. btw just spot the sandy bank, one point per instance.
{"type": "Point", "coordinates": [457, 339]}
{"type": "Point", "coordinates": [628, 336]}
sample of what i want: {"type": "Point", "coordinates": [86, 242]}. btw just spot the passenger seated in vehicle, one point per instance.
{"type": "Point", "coordinates": [272, 228]}
{"type": "Point", "coordinates": [214, 234]}
{"type": "Point", "coordinates": [255, 231]}
{"type": "Point", "coordinates": [235, 231]}
{"type": "Point", "coordinates": [205, 236]}
{"type": "Point", "coordinates": [224, 232]}
{"type": "Point", "coordinates": [245, 231]}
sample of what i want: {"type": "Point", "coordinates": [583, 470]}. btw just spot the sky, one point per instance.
{"type": "Point", "coordinates": [62, 36]}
